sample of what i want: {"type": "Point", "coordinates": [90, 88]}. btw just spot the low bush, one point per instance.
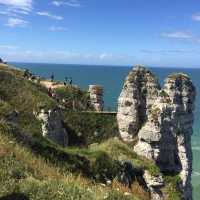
{"type": "Point", "coordinates": [87, 128]}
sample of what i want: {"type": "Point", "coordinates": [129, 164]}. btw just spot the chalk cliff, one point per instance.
{"type": "Point", "coordinates": [139, 92]}
{"type": "Point", "coordinates": [96, 97]}
{"type": "Point", "coordinates": [53, 127]}
{"type": "Point", "coordinates": [165, 129]}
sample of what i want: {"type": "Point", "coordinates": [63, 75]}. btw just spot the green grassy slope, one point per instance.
{"type": "Point", "coordinates": [33, 167]}
{"type": "Point", "coordinates": [24, 175]}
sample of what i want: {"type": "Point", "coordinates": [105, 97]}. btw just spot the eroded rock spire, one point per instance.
{"type": "Point", "coordinates": [139, 92]}
{"type": "Point", "coordinates": [165, 134]}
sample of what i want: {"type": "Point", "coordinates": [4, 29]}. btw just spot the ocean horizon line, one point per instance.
{"type": "Point", "coordinates": [104, 65]}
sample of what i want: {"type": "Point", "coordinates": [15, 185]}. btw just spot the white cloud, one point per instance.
{"type": "Point", "coordinates": [71, 3]}
{"type": "Point", "coordinates": [47, 14]}
{"type": "Point", "coordinates": [4, 13]}
{"type": "Point", "coordinates": [8, 47]}
{"type": "Point", "coordinates": [105, 56]}
{"type": "Point", "coordinates": [178, 35]}
{"type": "Point", "coordinates": [196, 17]}
{"type": "Point", "coordinates": [15, 8]}
{"type": "Point", "coordinates": [18, 4]}
{"type": "Point", "coordinates": [57, 28]}
{"type": "Point", "coordinates": [62, 56]}
{"type": "Point", "coordinates": [166, 51]}
{"type": "Point", "coordinates": [16, 22]}
{"type": "Point", "coordinates": [57, 3]}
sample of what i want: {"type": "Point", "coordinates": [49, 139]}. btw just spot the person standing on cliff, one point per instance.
{"type": "Point", "coordinates": [52, 77]}
{"type": "Point", "coordinates": [65, 81]}
{"type": "Point", "coordinates": [70, 82]}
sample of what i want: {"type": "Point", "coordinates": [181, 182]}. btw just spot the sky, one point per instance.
{"type": "Point", "coordinates": [103, 32]}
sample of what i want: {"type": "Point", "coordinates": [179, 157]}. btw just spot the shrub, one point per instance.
{"type": "Point", "coordinates": [105, 168]}
{"type": "Point", "coordinates": [88, 128]}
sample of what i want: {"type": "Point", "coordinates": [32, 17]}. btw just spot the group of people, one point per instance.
{"type": "Point", "coordinates": [66, 81]}
{"type": "Point", "coordinates": [51, 92]}
{"type": "Point", "coordinates": [27, 74]}
{"type": "Point", "coordinates": [30, 76]}
{"type": "Point", "coordinates": [2, 62]}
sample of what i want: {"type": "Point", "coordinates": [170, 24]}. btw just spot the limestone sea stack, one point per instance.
{"type": "Point", "coordinates": [96, 97]}
{"type": "Point", "coordinates": [138, 94]}
{"type": "Point", "coordinates": [164, 132]}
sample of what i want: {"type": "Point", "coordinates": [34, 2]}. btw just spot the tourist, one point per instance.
{"type": "Point", "coordinates": [50, 92]}
{"type": "Point", "coordinates": [26, 73]}
{"type": "Point", "coordinates": [52, 77]}
{"type": "Point", "coordinates": [65, 82]}
{"type": "Point", "coordinates": [70, 82]}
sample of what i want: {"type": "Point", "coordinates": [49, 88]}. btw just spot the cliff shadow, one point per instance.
{"type": "Point", "coordinates": [15, 196]}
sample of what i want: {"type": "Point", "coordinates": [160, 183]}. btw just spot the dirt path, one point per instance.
{"type": "Point", "coordinates": [53, 85]}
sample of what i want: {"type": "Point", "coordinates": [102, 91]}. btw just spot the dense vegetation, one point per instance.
{"type": "Point", "coordinates": [74, 98]}
{"type": "Point", "coordinates": [23, 175]}
{"type": "Point", "coordinates": [86, 128]}
{"type": "Point", "coordinates": [33, 167]}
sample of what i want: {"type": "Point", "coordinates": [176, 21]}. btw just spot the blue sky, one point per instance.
{"type": "Point", "coordinates": [117, 32]}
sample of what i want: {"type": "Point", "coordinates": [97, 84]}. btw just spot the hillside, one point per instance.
{"type": "Point", "coordinates": [95, 163]}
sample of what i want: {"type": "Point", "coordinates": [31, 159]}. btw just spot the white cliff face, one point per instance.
{"type": "Point", "coordinates": [52, 126]}
{"type": "Point", "coordinates": [157, 140]}
{"type": "Point", "coordinates": [138, 94]}
{"type": "Point", "coordinates": [165, 136]}
{"type": "Point", "coordinates": [96, 97]}
{"type": "Point", "coordinates": [182, 94]}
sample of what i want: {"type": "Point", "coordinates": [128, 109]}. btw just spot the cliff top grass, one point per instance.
{"type": "Point", "coordinates": [177, 75]}
{"type": "Point", "coordinates": [140, 73]}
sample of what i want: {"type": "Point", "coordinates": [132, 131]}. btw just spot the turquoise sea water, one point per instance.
{"type": "Point", "coordinates": [112, 79]}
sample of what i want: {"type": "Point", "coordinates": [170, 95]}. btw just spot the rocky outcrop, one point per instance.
{"type": "Point", "coordinates": [165, 137]}
{"type": "Point", "coordinates": [182, 95]}
{"type": "Point", "coordinates": [155, 185]}
{"type": "Point", "coordinates": [1, 61]}
{"type": "Point", "coordinates": [53, 126]}
{"type": "Point", "coordinates": [138, 94]}
{"type": "Point", "coordinates": [96, 97]}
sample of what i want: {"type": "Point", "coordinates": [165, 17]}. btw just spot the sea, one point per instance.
{"type": "Point", "coordinates": [112, 79]}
